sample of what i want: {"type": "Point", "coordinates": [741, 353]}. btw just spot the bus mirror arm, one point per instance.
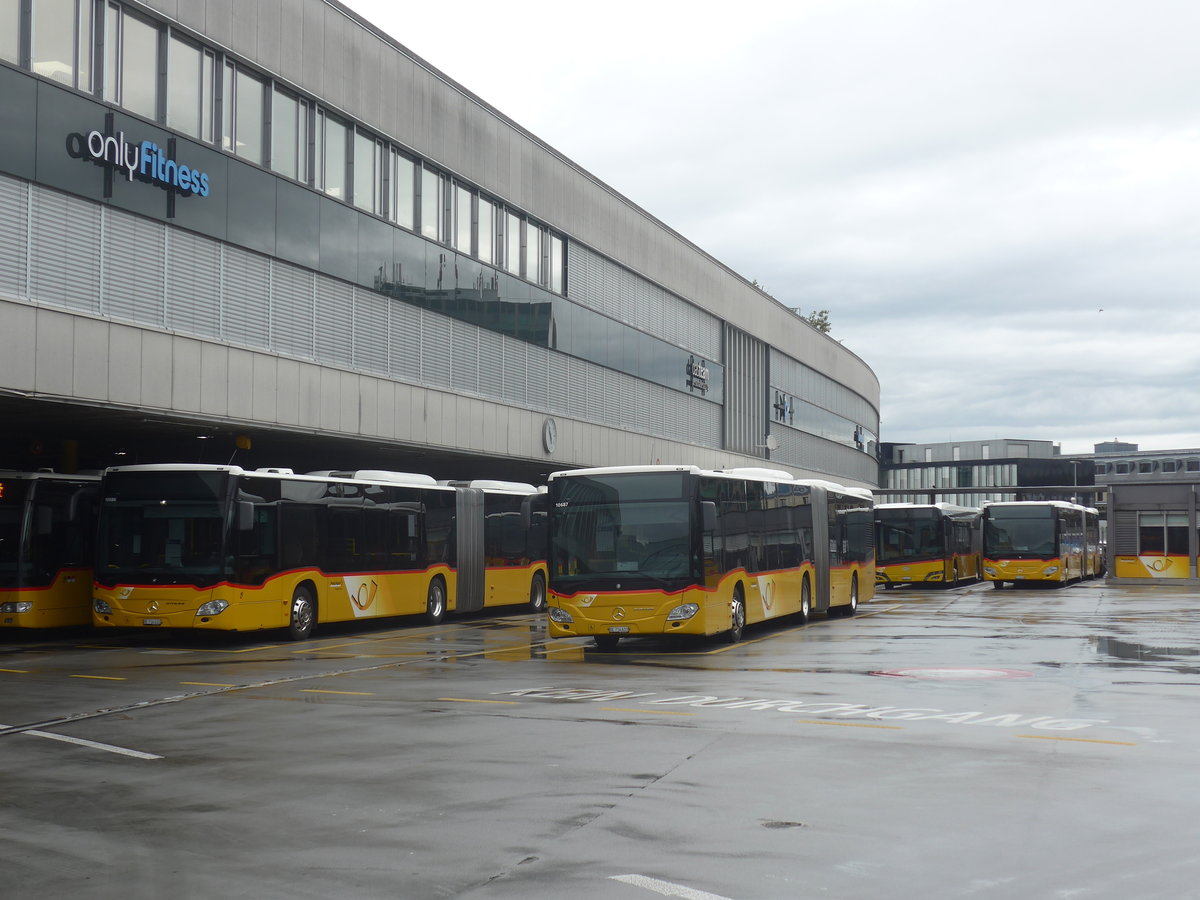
{"type": "Point", "coordinates": [708, 515]}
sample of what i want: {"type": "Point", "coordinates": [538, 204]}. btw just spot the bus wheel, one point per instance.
{"type": "Point", "coordinates": [435, 603]}
{"type": "Point", "coordinates": [805, 600]}
{"type": "Point", "coordinates": [853, 607]}
{"type": "Point", "coordinates": [537, 594]}
{"type": "Point", "coordinates": [303, 617]}
{"type": "Point", "coordinates": [737, 609]}
{"type": "Point", "coordinates": [606, 642]}
{"type": "Point", "coordinates": [997, 585]}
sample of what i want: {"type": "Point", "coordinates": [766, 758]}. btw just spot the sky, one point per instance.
{"type": "Point", "coordinates": [997, 201]}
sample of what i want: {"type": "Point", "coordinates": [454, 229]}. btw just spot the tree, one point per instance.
{"type": "Point", "coordinates": [818, 319]}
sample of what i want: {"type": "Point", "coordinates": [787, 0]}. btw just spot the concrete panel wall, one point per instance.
{"type": "Point", "coordinates": [157, 373]}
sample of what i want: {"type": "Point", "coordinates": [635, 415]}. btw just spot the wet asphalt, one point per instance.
{"type": "Point", "coordinates": [942, 743]}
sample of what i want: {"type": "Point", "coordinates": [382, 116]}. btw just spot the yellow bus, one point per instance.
{"type": "Point", "coordinates": [222, 548]}
{"type": "Point", "coordinates": [677, 550]}
{"type": "Point", "coordinates": [46, 530]}
{"type": "Point", "coordinates": [927, 543]}
{"type": "Point", "coordinates": [1046, 541]}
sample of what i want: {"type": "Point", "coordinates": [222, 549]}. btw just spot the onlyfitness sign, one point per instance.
{"type": "Point", "coordinates": [146, 161]}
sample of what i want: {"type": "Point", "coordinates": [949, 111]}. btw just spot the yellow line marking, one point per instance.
{"type": "Point", "coordinates": [100, 677]}
{"type": "Point", "coordinates": [347, 693]}
{"type": "Point", "coordinates": [657, 712]}
{"type": "Point", "coordinates": [206, 684]}
{"type": "Point", "coordinates": [16, 671]}
{"type": "Point", "coordinates": [465, 700]}
{"type": "Point", "coordinates": [1046, 737]}
{"type": "Point", "coordinates": [849, 724]}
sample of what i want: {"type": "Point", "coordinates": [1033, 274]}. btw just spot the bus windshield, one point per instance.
{"type": "Point", "coordinates": [1020, 533]}
{"type": "Point", "coordinates": [908, 534]}
{"type": "Point", "coordinates": [621, 528]}
{"type": "Point", "coordinates": [12, 516]}
{"type": "Point", "coordinates": [169, 525]}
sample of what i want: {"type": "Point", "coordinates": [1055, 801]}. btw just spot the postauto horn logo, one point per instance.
{"type": "Point", "coordinates": [148, 161]}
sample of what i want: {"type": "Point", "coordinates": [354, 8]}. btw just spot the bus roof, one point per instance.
{"type": "Point", "coordinates": [948, 508]}
{"type": "Point", "coordinates": [369, 476]}
{"type": "Point", "coordinates": [745, 473]}
{"type": "Point", "coordinates": [1060, 504]}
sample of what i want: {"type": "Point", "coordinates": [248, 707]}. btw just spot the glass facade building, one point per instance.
{"type": "Point", "coordinates": [233, 178]}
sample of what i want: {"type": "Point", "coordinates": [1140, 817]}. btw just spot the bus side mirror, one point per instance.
{"type": "Point", "coordinates": [245, 515]}
{"type": "Point", "coordinates": [708, 515]}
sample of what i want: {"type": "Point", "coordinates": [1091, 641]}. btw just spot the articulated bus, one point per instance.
{"type": "Point", "coordinates": [1047, 541]}
{"type": "Point", "coordinates": [47, 521]}
{"type": "Point", "coordinates": [222, 548]}
{"type": "Point", "coordinates": [927, 543]}
{"type": "Point", "coordinates": [677, 550]}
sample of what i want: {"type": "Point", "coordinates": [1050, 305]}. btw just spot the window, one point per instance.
{"type": "Point", "coordinates": [289, 135]}
{"type": "Point", "coordinates": [333, 159]}
{"type": "Point", "coordinates": [402, 198]}
{"type": "Point", "coordinates": [1122, 468]}
{"type": "Point", "coordinates": [10, 30]}
{"type": "Point", "coordinates": [249, 118]}
{"type": "Point", "coordinates": [462, 218]}
{"type": "Point", "coordinates": [61, 42]}
{"type": "Point", "coordinates": [131, 63]}
{"type": "Point", "coordinates": [1162, 534]}
{"type": "Point", "coordinates": [189, 89]}
{"type": "Point", "coordinates": [533, 253]}
{"type": "Point", "coordinates": [556, 264]}
{"type": "Point", "coordinates": [1170, 465]}
{"type": "Point", "coordinates": [367, 180]}
{"type": "Point", "coordinates": [1192, 465]}
{"type": "Point", "coordinates": [432, 202]}
{"type": "Point", "coordinates": [1145, 467]}
{"type": "Point", "coordinates": [487, 230]}
{"type": "Point", "coordinates": [1101, 468]}
{"type": "Point", "coordinates": [512, 243]}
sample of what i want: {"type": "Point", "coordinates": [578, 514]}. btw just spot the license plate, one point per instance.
{"type": "Point", "coordinates": [151, 621]}
{"type": "Point", "coordinates": [618, 629]}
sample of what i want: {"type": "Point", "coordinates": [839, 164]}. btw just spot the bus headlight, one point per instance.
{"type": "Point", "coordinates": [213, 607]}
{"type": "Point", "coordinates": [685, 611]}
{"type": "Point", "coordinates": [21, 607]}
{"type": "Point", "coordinates": [935, 576]}
{"type": "Point", "coordinates": [559, 615]}
{"type": "Point", "coordinates": [101, 606]}
{"type": "Point", "coordinates": [989, 570]}
{"type": "Point", "coordinates": [1050, 570]}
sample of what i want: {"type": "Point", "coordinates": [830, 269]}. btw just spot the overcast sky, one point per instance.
{"type": "Point", "coordinates": [996, 200]}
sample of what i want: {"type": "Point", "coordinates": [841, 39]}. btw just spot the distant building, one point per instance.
{"type": "Point", "coordinates": [970, 473]}
{"type": "Point", "coordinates": [1149, 499]}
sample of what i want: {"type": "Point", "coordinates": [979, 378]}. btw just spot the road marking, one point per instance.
{"type": "Point", "coordinates": [100, 677]}
{"type": "Point", "coordinates": [1047, 737]}
{"type": "Point", "coordinates": [467, 700]}
{"type": "Point", "coordinates": [206, 684]}
{"type": "Point", "coordinates": [345, 693]}
{"type": "Point", "coordinates": [656, 712]}
{"type": "Point", "coordinates": [95, 745]}
{"type": "Point", "coordinates": [16, 671]}
{"type": "Point", "coordinates": [848, 724]}
{"type": "Point", "coordinates": [666, 888]}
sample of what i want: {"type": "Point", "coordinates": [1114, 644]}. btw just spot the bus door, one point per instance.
{"type": "Point", "coordinates": [472, 568]}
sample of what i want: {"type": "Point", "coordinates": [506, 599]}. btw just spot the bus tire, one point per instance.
{"type": "Point", "coordinates": [302, 618]}
{"type": "Point", "coordinates": [805, 600]}
{"type": "Point", "coordinates": [996, 585]}
{"type": "Point", "coordinates": [852, 608]}
{"type": "Point", "coordinates": [607, 642]}
{"type": "Point", "coordinates": [537, 594]}
{"type": "Point", "coordinates": [737, 613]}
{"type": "Point", "coordinates": [435, 602]}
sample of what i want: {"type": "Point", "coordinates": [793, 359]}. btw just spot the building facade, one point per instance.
{"type": "Point", "coordinates": [272, 229]}
{"type": "Point", "coordinates": [971, 473]}
{"type": "Point", "coordinates": [1151, 509]}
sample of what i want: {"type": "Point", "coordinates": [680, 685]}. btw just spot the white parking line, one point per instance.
{"type": "Point", "coordinates": [95, 745]}
{"type": "Point", "coordinates": [666, 888]}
